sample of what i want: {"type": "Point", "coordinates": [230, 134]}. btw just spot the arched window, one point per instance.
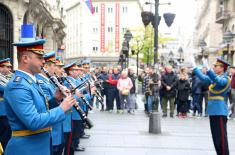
{"type": "Point", "coordinates": [6, 33]}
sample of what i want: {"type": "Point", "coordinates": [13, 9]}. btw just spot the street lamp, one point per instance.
{"type": "Point", "coordinates": [202, 45]}
{"type": "Point", "coordinates": [125, 46]}
{"type": "Point", "coordinates": [180, 50]}
{"type": "Point", "coordinates": [169, 18]}
{"type": "Point", "coordinates": [228, 38]}
{"type": "Point", "coordinates": [171, 60]}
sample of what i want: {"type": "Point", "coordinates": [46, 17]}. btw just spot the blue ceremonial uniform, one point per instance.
{"type": "Point", "coordinates": [5, 130]}
{"type": "Point", "coordinates": [49, 90]}
{"type": "Point", "coordinates": [217, 108]}
{"type": "Point", "coordinates": [27, 110]}
{"type": "Point", "coordinates": [2, 104]}
{"type": "Point", "coordinates": [218, 91]}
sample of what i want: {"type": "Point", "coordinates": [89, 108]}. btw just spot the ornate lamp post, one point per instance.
{"type": "Point", "coordinates": [148, 17]}
{"type": "Point", "coordinates": [228, 39]}
{"type": "Point", "coordinates": [125, 46]}
{"type": "Point", "coordinates": [180, 50]}
{"type": "Point", "coordinates": [171, 60]}
{"type": "Point", "coordinates": [202, 45]}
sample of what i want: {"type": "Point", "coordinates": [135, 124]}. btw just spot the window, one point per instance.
{"type": "Point", "coordinates": [95, 49]}
{"type": "Point", "coordinates": [124, 9]}
{"type": "Point", "coordinates": [110, 29]}
{"type": "Point", "coordinates": [110, 10]}
{"type": "Point", "coordinates": [95, 30]}
{"type": "Point", "coordinates": [96, 9]}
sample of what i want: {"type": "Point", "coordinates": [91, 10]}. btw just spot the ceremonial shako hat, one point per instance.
{"type": "Point", "coordinates": [86, 63]}
{"type": "Point", "coordinates": [71, 66]}
{"type": "Point", "coordinates": [50, 57]}
{"type": "Point", "coordinates": [28, 41]}
{"type": "Point", "coordinates": [58, 61]}
{"type": "Point", "coordinates": [5, 62]}
{"type": "Point", "coordinates": [221, 62]}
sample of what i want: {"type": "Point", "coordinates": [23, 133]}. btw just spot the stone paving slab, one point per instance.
{"type": "Point", "coordinates": [125, 134]}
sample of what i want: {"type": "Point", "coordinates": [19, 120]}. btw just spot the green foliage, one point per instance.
{"type": "Point", "coordinates": [143, 40]}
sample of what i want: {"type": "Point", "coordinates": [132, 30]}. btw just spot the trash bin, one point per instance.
{"type": "Point", "coordinates": [155, 123]}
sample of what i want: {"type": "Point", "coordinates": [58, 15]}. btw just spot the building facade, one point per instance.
{"type": "Point", "coordinates": [214, 18]}
{"type": "Point", "coordinates": [207, 30]}
{"type": "Point", "coordinates": [99, 36]}
{"type": "Point", "coordinates": [45, 16]}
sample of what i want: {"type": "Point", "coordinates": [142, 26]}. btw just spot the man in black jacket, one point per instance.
{"type": "Point", "coordinates": [168, 81]}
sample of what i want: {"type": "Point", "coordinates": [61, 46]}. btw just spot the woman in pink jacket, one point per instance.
{"type": "Point", "coordinates": [124, 85]}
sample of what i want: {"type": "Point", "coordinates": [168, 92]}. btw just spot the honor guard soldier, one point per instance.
{"type": "Point", "coordinates": [26, 106]}
{"type": "Point", "coordinates": [49, 90]}
{"type": "Point", "coordinates": [77, 124]}
{"type": "Point", "coordinates": [80, 78]}
{"type": "Point", "coordinates": [5, 130]}
{"type": "Point", "coordinates": [217, 108]}
{"type": "Point", "coordinates": [67, 123]}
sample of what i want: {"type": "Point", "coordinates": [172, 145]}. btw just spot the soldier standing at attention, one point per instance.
{"type": "Point", "coordinates": [49, 90]}
{"type": "Point", "coordinates": [217, 108]}
{"type": "Point", "coordinates": [5, 130]}
{"type": "Point", "coordinates": [26, 106]}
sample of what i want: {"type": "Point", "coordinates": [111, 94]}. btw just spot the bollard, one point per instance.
{"type": "Point", "coordinates": [155, 123]}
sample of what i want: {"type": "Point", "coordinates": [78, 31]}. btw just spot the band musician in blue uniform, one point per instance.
{"type": "Point", "coordinates": [26, 106]}
{"type": "Point", "coordinates": [217, 108]}
{"type": "Point", "coordinates": [5, 130]}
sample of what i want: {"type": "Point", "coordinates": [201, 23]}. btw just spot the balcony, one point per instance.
{"type": "Point", "coordinates": [222, 16]}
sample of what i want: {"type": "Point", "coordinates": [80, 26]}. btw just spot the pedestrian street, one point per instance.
{"type": "Point", "coordinates": [115, 134]}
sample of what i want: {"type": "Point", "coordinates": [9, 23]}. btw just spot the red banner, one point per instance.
{"type": "Point", "coordinates": [117, 27]}
{"type": "Point", "coordinates": [102, 28]}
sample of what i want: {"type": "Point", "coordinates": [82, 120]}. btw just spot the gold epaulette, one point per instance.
{"type": "Point", "coordinates": [29, 132]}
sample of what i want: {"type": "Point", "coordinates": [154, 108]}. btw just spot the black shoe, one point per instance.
{"type": "Point", "coordinates": [164, 115]}
{"type": "Point", "coordinates": [79, 148]}
{"type": "Point", "coordinates": [171, 115]}
{"type": "Point", "coordinates": [85, 136]}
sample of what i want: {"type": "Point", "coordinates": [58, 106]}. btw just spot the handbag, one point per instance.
{"type": "Point", "coordinates": [125, 92]}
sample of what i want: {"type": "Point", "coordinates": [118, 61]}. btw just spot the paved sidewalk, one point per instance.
{"type": "Point", "coordinates": [125, 134]}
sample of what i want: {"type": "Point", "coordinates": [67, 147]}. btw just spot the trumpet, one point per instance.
{"type": "Point", "coordinates": [76, 106]}
{"type": "Point", "coordinates": [3, 80]}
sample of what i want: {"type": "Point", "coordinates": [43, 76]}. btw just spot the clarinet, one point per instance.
{"type": "Point", "coordinates": [97, 94]}
{"type": "Point", "coordinates": [83, 98]}
{"type": "Point", "coordinates": [76, 106]}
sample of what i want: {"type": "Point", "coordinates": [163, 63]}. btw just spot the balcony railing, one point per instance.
{"type": "Point", "coordinates": [221, 16]}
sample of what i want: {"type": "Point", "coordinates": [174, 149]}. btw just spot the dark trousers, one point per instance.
{"type": "Point", "coordinates": [104, 93]}
{"type": "Point", "coordinates": [196, 103]}
{"type": "Point", "coordinates": [113, 94]}
{"type": "Point", "coordinates": [76, 132]}
{"type": "Point", "coordinates": [218, 125]}
{"type": "Point", "coordinates": [146, 103]}
{"type": "Point", "coordinates": [205, 96]}
{"type": "Point", "coordinates": [67, 142]}
{"type": "Point", "coordinates": [5, 131]}
{"type": "Point", "coordinates": [58, 149]}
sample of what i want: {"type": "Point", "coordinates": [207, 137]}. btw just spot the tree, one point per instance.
{"type": "Point", "coordinates": [145, 39]}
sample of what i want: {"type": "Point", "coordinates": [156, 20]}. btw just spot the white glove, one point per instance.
{"type": "Point", "coordinates": [205, 63]}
